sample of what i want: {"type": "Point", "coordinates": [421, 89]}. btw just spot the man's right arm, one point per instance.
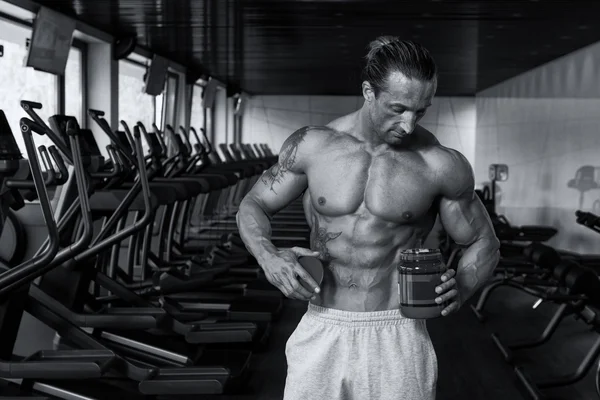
{"type": "Point", "coordinates": [279, 186]}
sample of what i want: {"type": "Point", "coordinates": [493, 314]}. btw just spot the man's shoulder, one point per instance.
{"type": "Point", "coordinates": [437, 154]}
{"type": "Point", "coordinates": [449, 158]}
{"type": "Point", "coordinates": [312, 138]}
{"type": "Point", "coordinates": [311, 133]}
{"type": "Point", "coordinates": [301, 146]}
{"type": "Point", "coordinates": [452, 169]}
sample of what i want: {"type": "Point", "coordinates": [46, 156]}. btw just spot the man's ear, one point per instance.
{"type": "Point", "coordinates": [368, 92]}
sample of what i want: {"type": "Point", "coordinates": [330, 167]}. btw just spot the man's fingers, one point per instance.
{"type": "Point", "coordinates": [444, 287]}
{"type": "Point", "coordinates": [294, 296]}
{"type": "Point", "coordinates": [301, 290]}
{"type": "Point", "coordinates": [291, 287]}
{"type": "Point", "coordinates": [307, 278]}
{"type": "Point", "coordinates": [303, 252]}
{"type": "Point", "coordinates": [448, 275]}
{"type": "Point", "coordinates": [451, 308]}
{"type": "Point", "coordinates": [446, 296]}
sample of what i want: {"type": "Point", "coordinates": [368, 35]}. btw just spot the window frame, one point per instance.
{"type": "Point", "coordinates": [61, 83]}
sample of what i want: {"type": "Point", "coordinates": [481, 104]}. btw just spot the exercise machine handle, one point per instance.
{"type": "Point", "coordinates": [31, 104]}
{"type": "Point", "coordinates": [43, 129]}
{"type": "Point", "coordinates": [29, 268]}
{"type": "Point", "coordinates": [60, 164]}
{"type": "Point", "coordinates": [97, 116]}
{"type": "Point", "coordinates": [588, 220]}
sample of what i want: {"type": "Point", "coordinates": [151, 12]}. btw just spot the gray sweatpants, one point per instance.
{"type": "Point", "coordinates": [342, 355]}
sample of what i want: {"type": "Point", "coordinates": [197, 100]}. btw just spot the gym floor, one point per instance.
{"type": "Point", "coordinates": [470, 366]}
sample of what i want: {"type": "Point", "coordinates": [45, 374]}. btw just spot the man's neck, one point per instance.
{"type": "Point", "coordinates": [366, 130]}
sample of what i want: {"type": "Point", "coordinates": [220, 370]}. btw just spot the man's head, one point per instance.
{"type": "Point", "coordinates": [400, 80]}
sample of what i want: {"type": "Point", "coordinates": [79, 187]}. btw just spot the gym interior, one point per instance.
{"type": "Point", "coordinates": [131, 130]}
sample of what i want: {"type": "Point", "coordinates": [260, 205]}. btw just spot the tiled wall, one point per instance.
{"type": "Point", "coordinates": [271, 119]}
{"type": "Point", "coordinates": [545, 124]}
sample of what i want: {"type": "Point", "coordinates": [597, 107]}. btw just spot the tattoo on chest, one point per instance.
{"type": "Point", "coordinates": [319, 238]}
{"type": "Point", "coordinates": [287, 159]}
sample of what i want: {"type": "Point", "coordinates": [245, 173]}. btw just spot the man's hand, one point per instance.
{"type": "Point", "coordinates": [448, 292]}
{"type": "Point", "coordinates": [284, 271]}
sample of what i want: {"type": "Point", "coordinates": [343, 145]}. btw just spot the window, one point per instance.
{"type": "Point", "coordinates": [197, 116]}
{"type": "Point", "coordinates": [171, 105]}
{"type": "Point", "coordinates": [159, 110]}
{"type": "Point", "coordinates": [220, 119]}
{"type": "Point", "coordinates": [21, 83]}
{"type": "Point", "coordinates": [74, 85]}
{"type": "Point", "coordinates": [134, 104]}
{"type": "Point", "coordinates": [208, 126]}
{"type": "Point", "coordinates": [170, 110]}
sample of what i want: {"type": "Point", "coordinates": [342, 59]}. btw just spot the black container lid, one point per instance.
{"type": "Point", "coordinates": [420, 255]}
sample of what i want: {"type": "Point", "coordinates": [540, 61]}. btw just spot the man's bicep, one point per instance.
{"type": "Point", "coordinates": [465, 218]}
{"type": "Point", "coordinates": [285, 181]}
{"type": "Point", "coordinates": [276, 189]}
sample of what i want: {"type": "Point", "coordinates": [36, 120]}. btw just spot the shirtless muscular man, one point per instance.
{"type": "Point", "coordinates": [373, 183]}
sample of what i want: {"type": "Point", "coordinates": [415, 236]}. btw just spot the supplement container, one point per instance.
{"type": "Point", "coordinates": [419, 273]}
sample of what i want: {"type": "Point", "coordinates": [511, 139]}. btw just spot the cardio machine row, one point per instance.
{"type": "Point", "coordinates": [570, 283]}
{"type": "Point", "coordinates": [143, 277]}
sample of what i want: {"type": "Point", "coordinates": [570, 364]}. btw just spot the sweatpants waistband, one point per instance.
{"type": "Point", "coordinates": [355, 319]}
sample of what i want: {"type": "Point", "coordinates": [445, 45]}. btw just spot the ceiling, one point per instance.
{"type": "Point", "coordinates": [317, 47]}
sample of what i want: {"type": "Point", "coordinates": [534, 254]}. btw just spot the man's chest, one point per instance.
{"type": "Point", "coordinates": [397, 188]}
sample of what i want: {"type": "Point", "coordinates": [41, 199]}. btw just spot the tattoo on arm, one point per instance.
{"type": "Point", "coordinates": [319, 238]}
{"type": "Point", "coordinates": [287, 159]}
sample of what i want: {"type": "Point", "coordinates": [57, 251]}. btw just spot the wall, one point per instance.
{"type": "Point", "coordinates": [271, 119]}
{"type": "Point", "coordinates": [544, 124]}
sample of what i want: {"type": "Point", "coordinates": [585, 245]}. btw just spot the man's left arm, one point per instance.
{"type": "Point", "coordinates": [467, 222]}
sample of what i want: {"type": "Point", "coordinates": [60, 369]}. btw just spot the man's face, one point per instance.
{"type": "Point", "coordinates": [399, 106]}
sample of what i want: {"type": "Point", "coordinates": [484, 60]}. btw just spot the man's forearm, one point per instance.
{"type": "Point", "coordinates": [476, 266]}
{"type": "Point", "coordinates": [254, 226]}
